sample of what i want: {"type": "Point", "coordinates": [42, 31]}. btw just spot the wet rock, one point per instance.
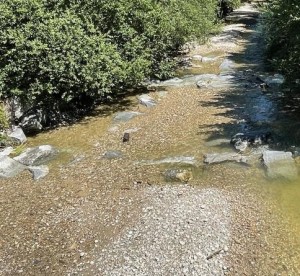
{"type": "Point", "coordinates": [178, 175]}
{"type": "Point", "coordinates": [10, 167]}
{"type": "Point", "coordinates": [171, 160]}
{"type": "Point", "coordinates": [204, 59]}
{"type": "Point", "coordinates": [17, 135]}
{"type": "Point", "coordinates": [126, 116]}
{"type": "Point", "coordinates": [112, 154]}
{"type": "Point", "coordinates": [126, 137]}
{"type": "Point", "coordinates": [37, 156]}
{"type": "Point", "coordinates": [242, 140]}
{"type": "Point", "coordinates": [146, 100]}
{"type": "Point", "coordinates": [280, 164]}
{"type": "Point", "coordinates": [227, 65]}
{"type": "Point", "coordinates": [214, 158]}
{"type": "Point", "coordinates": [39, 172]}
{"type": "Point", "coordinates": [216, 81]}
{"type": "Point", "coordinates": [6, 151]}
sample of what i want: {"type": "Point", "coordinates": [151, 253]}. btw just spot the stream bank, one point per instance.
{"type": "Point", "coordinates": [119, 216]}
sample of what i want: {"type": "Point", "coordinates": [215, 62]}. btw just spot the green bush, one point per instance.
{"type": "Point", "coordinates": [56, 53]}
{"type": "Point", "coordinates": [282, 24]}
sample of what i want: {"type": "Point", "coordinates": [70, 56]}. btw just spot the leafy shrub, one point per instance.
{"type": "Point", "coordinates": [282, 26]}
{"type": "Point", "coordinates": [56, 54]}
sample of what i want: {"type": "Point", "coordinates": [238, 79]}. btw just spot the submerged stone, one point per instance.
{"type": "Point", "coordinates": [112, 154]}
{"type": "Point", "coordinates": [37, 156]}
{"type": "Point", "coordinates": [178, 175]}
{"type": "Point", "coordinates": [215, 158]}
{"type": "Point", "coordinates": [171, 160]}
{"type": "Point", "coordinates": [126, 116]}
{"type": "Point", "coordinates": [280, 164]}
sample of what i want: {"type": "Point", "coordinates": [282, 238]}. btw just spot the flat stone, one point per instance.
{"type": "Point", "coordinates": [146, 100]}
{"type": "Point", "coordinates": [37, 156]}
{"type": "Point", "coordinates": [280, 164]}
{"type": "Point", "coordinates": [126, 116]}
{"type": "Point", "coordinates": [39, 172]}
{"type": "Point", "coordinates": [214, 158]}
{"type": "Point", "coordinates": [9, 167]}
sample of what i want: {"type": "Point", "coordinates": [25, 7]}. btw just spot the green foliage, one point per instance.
{"type": "Point", "coordinates": [55, 53]}
{"type": "Point", "coordinates": [4, 124]}
{"type": "Point", "coordinates": [283, 36]}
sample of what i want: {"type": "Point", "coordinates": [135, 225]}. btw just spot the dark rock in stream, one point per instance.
{"type": "Point", "coordinates": [280, 164]}
{"type": "Point", "coordinates": [9, 167]}
{"type": "Point", "coordinates": [37, 156]}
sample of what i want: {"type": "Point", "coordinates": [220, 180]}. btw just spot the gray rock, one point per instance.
{"type": "Point", "coordinates": [209, 59]}
{"type": "Point", "coordinates": [216, 81]}
{"type": "Point", "coordinates": [214, 158]}
{"type": "Point", "coordinates": [9, 167]}
{"type": "Point", "coordinates": [37, 156]}
{"type": "Point", "coordinates": [126, 116]}
{"type": "Point", "coordinates": [280, 164]}
{"type": "Point", "coordinates": [146, 100]}
{"type": "Point", "coordinates": [178, 175]}
{"type": "Point", "coordinates": [112, 154]}
{"type": "Point", "coordinates": [6, 151]}
{"type": "Point", "coordinates": [18, 135]}
{"type": "Point", "coordinates": [38, 172]}
{"type": "Point", "coordinates": [227, 65]}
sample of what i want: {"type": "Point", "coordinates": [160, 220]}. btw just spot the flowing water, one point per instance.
{"type": "Point", "coordinates": [203, 124]}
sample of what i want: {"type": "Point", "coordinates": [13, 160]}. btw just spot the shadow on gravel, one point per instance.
{"type": "Point", "coordinates": [253, 106]}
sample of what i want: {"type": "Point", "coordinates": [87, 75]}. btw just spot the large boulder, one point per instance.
{"type": "Point", "coordinates": [280, 164]}
{"type": "Point", "coordinates": [10, 167]}
{"type": "Point", "coordinates": [37, 156]}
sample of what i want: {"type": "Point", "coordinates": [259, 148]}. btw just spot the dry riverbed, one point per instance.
{"type": "Point", "coordinates": [97, 216]}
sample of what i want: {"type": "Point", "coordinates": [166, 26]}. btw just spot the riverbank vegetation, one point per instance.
{"type": "Point", "coordinates": [283, 38]}
{"type": "Point", "coordinates": [60, 55]}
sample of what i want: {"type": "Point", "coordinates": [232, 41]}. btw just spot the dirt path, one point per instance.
{"type": "Point", "coordinates": [97, 216]}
